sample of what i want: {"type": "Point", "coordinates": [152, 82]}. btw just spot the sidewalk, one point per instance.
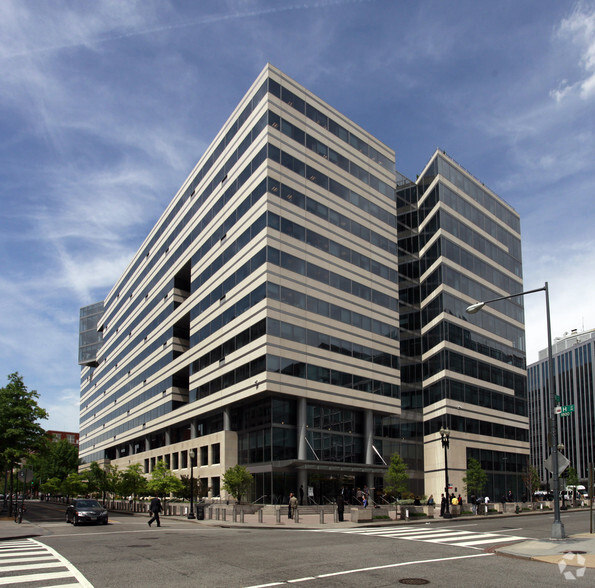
{"type": "Point", "coordinates": [577, 551]}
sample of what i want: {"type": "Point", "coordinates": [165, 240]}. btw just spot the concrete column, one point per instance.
{"type": "Point", "coordinates": [302, 481]}
{"type": "Point", "coordinates": [130, 449]}
{"type": "Point", "coordinates": [147, 443]}
{"type": "Point", "coordinates": [167, 436]}
{"type": "Point", "coordinates": [369, 436]}
{"type": "Point", "coordinates": [193, 429]}
{"type": "Point", "coordinates": [226, 419]}
{"type": "Point", "coordinates": [117, 452]}
{"type": "Point", "coordinates": [301, 429]}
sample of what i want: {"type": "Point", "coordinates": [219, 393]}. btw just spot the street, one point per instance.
{"type": "Point", "coordinates": [458, 552]}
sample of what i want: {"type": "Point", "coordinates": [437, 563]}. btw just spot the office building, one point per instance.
{"type": "Point", "coordinates": [259, 321]}
{"type": "Point", "coordinates": [574, 385]}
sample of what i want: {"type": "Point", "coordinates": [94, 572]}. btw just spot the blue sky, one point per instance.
{"type": "Point", "coordinates": [106, 106]}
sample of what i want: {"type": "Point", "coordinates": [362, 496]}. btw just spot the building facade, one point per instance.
{"type": "Point", "coordinates": [259, 322]}
{"type": "Point", "coordinates": [574, 384]}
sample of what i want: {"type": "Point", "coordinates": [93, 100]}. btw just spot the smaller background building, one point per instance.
{"type": "Point", "coordinates": [72, 438]}
{"type": "Point", "coordinates": [574, 384]}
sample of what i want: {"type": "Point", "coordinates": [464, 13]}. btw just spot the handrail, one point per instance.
{"type": "Point", "coordinates": [261, 498]}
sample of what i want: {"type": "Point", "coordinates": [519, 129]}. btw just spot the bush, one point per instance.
{"type": "Point", "coordinates": [384, 517]}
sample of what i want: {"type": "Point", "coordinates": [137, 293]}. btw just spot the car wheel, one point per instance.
{"type": "Point", "coordinates": [105, 522]}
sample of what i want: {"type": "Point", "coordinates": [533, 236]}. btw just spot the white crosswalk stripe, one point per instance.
{"type": "Point", "coordinates": [443, 535]}
{"type": "Point", "coordinates": [29, 561]}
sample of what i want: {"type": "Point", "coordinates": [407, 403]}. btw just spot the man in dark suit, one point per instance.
{"type": "Point", "coordinates": [155, 507]}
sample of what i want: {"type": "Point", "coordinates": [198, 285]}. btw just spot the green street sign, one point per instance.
{"type": "Point", "coordinates": [557, 399]}
{"type": "Point", "coordinates": [566, 410]}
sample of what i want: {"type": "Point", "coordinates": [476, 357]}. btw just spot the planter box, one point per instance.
{"type": "Point", "coordinates": [362, 515]}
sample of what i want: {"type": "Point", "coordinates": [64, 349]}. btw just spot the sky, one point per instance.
{"type": "Point", "coordinates": [106, 106]}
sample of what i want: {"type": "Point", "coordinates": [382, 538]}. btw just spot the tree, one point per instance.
{"type": "Point", "coordinates": [51, 486]}
{"type": "Point", "coordinates": [74, 485]}
{"type": "Point", "coordinates": [572, 480]}
{"type": "Point", "coordinates": [163, 481]}
{"type": "Point", "coordinates": [531, 480]}
{"type": "Point", "coordinates": [237, 480]}
{"type": "Point", "coordinates": [475, 479]}
{"type": "Point", "coordinates": [396, 479]}
{"type": "Point", "coordinates": [54, 459]}
{"type": "Point", "coordinates": [20, 433]}
{"type": "Point", "coordinates": [132, 481]}
{"type": "Point", "coordinates": [103, 480]}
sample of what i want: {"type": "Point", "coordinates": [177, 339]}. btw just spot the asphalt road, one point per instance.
{"type": "Point", "coordinates": [180, 553]}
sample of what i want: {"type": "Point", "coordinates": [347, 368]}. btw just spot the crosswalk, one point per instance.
{"type": "Point", "coordinates": [437, 534]}
{"type": "Point", "coordinates": [27, 561]}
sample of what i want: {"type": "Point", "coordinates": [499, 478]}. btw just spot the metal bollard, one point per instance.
{"type": "Point", "coordinates": [260, 516]}
{"type": "Point", "coordinates": [297, 515]}
{"type": "Point", "coordinates": [242, 516]}
{"type": "Point", "coordinates": [217, 513]}
{"type": "Point", "coordinates": [224, 514]}
{"type": "Point", "coordinates": [235, 515]}
{"type": "Point", "coordinates": [336, 514]}
{"type": "Point", "coordinates": [322, 516]}
{"type": "Point", "coordinates": [278, 516]}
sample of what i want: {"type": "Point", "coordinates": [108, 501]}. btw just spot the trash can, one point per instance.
{"type": "Point", "coordinates": [200, 513]}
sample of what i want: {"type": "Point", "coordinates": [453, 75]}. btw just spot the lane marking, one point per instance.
{"type": "Point", "coordinates": [373, 568]}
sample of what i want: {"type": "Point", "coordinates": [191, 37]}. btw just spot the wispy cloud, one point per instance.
{"type": "Point", "coordinates": [579, 29]}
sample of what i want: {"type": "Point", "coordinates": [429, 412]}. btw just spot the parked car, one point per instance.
{"type": "Point", "coordinates": [86, 510]}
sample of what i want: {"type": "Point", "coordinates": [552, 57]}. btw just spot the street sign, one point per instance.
{"type": "Point", "coordinates": [26, 475]}
{"type": "Point", "coordinates": [566, 410]}
{"type": "Point", "coordinates": [563, 463]}
{"type": "Point", "coordinates": [556, 398]}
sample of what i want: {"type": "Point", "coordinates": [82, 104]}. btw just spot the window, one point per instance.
{"type": "Point", "coordinates": [216, 453]}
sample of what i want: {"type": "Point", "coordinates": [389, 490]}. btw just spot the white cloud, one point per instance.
{"type": "Point", "coordinates": [579, 29]}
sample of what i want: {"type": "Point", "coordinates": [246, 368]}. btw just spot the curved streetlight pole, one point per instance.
{"type": "Point", "coordinates": [557, 526]}
{"type": "Point", "coordinates": [191, 455]}
{"type": "Point", "coordinates": [445, 438]}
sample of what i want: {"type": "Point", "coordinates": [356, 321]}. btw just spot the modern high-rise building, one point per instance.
{"type": "Point", "coordinates": [574, 384]}
{"type": "Point", "coordinates": [260, 321]}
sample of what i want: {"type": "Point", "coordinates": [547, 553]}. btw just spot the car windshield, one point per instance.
{"type": "Point", "coordinates": [87, 504]}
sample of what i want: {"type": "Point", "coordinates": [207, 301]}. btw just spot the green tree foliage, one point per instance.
{"type": "Point", "coordinates": [163, 481]}
{"type": "Point", "coordinates": [197, 488]}
{"type": "Point", "coordinates": [237, 481]}
{"type": "Point", "coordinates": [20, 432]}
{"type": "Point", "coordinates": [103, 480]}
{"type": "Point", "coordinates": [132, 482]}
{"type": "Point", "coordinates": [531, 480]}
{"type": "Point", "coordinates": [475, 479]}
{"type": "Point", "coordinates": [74, 485]}
{"type": "Point", "coordinates": [396, 479]}
{"type": "Point", "coordinates": [51, 486]}
{"type": "Point", "coordinates": [54, 459]}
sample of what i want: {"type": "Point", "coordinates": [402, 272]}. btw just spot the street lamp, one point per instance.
{"type": "Point", "coordinates": [557, 526]}
{"type": "Point", "coordinates": [445, 437]}
{"type": "Point", "coordinates": [191, 455]}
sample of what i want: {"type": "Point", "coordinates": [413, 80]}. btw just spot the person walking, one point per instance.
{"type": "Point", "coordinates": [155, 508]}
{"type": "Point", "coordinates": [293, 504]}
{"type": "Point", "coordinates": [442, 505]}
{"type": "Point", "coordinates": [340, 507]}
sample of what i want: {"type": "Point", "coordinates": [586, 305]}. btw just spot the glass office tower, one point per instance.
{"type": "Point", "coordinates": [460, 243]}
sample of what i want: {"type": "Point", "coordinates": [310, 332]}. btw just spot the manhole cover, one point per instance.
{"type": "Point", "coordinates": [414, 581]}
{"type": "Point", "coordinates": [575, 552]}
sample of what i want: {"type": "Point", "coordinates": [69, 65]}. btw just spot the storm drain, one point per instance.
{"type": "Point", "coordinates": [574, 552]}
{"type": "Point", "coordinates": [414, 581]}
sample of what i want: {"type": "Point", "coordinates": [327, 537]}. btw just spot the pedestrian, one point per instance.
{"type": "Point", "coordinates": [442, 505]}
{"type": "Point", "coordinates": [301, 495]}
{"type": "Point", "coordinates": [459, 499]}
{"type": "Point", "coordinates": [431, 500]}
{"type": "Point", "coordinates": [340, 507]}
{"type": "Point", "coordinates": [473, 501]}
{"type": "Point", "coordinates": [292, 507]}
{"type": "Point", "coordinates": [155, 508]}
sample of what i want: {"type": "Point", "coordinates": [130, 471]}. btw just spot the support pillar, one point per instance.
{"type": "Point", "coordinates": [301, 429]}
{"type": "Point", "coordinates": [226, 419]}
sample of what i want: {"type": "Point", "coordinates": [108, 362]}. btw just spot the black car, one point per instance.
{"type": "Point", "coordinates": [86, 510]}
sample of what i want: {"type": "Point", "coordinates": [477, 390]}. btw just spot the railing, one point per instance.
{"type": "Point", "coordinates": [259, 499]}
